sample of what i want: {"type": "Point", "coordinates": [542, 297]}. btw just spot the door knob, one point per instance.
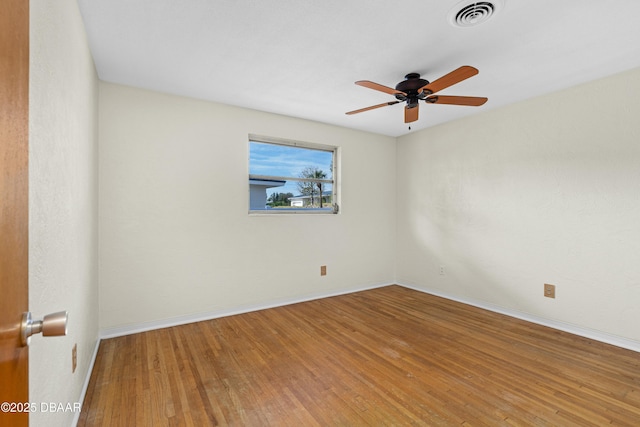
{"type": "Point", "coordinates": [52, 325]}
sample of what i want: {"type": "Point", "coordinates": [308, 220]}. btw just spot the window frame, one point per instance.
{"type": "Point", "coordinates": [334, 150]}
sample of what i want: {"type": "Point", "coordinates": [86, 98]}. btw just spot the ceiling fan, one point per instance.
{"type": "Point", "coordinates": [414, 89]}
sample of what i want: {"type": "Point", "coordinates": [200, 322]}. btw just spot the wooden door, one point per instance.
{"type": "Point", "coordinates": [14, 209]}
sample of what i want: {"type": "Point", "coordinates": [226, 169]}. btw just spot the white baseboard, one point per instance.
{"type": "Point", "coordinates": [181, 320]}
{"type": "Point", "coordinates": [85, 386]}
{"type": "Point", "coordinates": [199, 317]}
{"type": "Point", "coordinates": [555, 324]}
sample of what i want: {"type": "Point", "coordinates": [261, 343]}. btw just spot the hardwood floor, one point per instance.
{"type": "Point", "coordinates": [388, 356]}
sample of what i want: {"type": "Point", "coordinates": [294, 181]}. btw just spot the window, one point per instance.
{"type": "Point", "coordinates": [291, 177]}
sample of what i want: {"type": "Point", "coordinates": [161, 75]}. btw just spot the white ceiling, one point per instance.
{"type": "Point", "coordinates": [301, 57]}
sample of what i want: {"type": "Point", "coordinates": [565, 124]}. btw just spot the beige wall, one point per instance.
{"type": "Point", "coordinates": [544, 191]}
{"type": "Point", "coordinates": [175, 235]}
{"type": "Point", "coordinates": [63, 231]}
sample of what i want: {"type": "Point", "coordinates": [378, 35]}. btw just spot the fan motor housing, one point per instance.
{"type": "Point", "coordinates": [412, 83]}
{"type": "Point", "coordinates": [410, 86]}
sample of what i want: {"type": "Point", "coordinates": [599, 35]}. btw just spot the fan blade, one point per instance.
{"type": "Point", "coordinates": [410, 114]}
{"type": "Point", "coordinates": [381, 88]}
{"type": "Point", "coordinates": [372, 107]}
{"type": "Point", "coordinates": [456, 76]}
{"type": "Point", "coordinates": [472, 101]}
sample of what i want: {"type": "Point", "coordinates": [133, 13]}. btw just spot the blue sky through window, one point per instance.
{"type": "Point", "coordinates": [287, 161]}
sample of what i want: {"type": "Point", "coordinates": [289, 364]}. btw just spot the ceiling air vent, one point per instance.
{"type": "Point", "coordinates": [471, 13]}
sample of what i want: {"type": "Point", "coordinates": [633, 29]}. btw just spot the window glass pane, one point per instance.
{"type": "Point", "coordinates": [277, 177]}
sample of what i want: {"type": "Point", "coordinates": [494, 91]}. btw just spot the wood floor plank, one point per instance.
{"type": "Point", "coordinates": [388, 356]}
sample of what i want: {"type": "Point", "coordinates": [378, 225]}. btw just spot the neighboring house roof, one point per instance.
{"type": "Point", "coordinates": [302, 197]}
{"type": "Point", "coordinates": [269, 183]}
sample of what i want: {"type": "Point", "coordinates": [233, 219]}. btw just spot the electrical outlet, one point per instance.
{"type": "Point", "coordinates": [549, 290]}
{"type": "Point", "coordinates": [74, 358]}
{"type": "Point", "coordinates": [442, 270]}
{"type": "Point", "coordinates": [323, 270]}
